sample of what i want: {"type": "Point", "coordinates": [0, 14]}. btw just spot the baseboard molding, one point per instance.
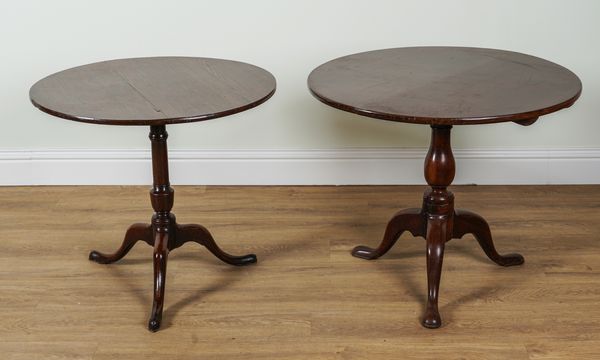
{"type": "Point", "coordinates": [361, 166]}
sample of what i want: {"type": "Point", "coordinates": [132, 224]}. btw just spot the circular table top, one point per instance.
{"type": "Point", "coordinates": [153, 91]}
{"type": "Point", "coordinates": [445, 85]}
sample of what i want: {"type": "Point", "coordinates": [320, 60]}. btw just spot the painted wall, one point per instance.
{"type": "Point", "coordinates": [289, 38]}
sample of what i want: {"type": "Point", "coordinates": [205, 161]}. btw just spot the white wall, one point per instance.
{"type": "Point", "coordinates": [289, 38]}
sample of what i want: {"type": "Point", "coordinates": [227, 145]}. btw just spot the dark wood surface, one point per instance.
{"type": "Point", "coordinates": [153, 91]}
{"type": "Point", "coordinates": [445, 85]}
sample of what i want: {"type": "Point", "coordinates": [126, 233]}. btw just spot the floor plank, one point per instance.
{"type": "Point", "coordinates": [307, 298]}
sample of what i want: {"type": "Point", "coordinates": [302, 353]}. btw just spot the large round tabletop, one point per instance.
{"type": "Point", "coordinates": [153, 91]}
{"type": "Point", "coordinates": [445, 85]}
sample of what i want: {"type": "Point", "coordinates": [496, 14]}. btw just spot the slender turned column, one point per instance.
{"type": "Point", "coordinates": [161, 194]}
{"type": "Point", "coordinates": [163, 222]}
{"type": "Point", "coordinates": [438, 207]}
{"type": "Point", "coordinates": [164, 233]}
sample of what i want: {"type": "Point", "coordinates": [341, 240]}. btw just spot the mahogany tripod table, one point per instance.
{"type": "Point", "coordinates": [442, 87]}
{"type": "Point", "coordinates": [156, 92]}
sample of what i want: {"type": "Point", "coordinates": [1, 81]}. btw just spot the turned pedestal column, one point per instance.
{"type": "Point", "coordinates": [437, 222]}
{"type": "Point", "coordinates": [163, 232]}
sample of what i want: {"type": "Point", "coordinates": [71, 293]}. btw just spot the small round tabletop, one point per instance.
{"type": "Point", "coordinates": [445, 85]}
{"type": "Point", "coordinates": [153, 91]}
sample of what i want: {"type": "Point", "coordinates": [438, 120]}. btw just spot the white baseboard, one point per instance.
{"type": "Point", "coordinates": [362, 166]}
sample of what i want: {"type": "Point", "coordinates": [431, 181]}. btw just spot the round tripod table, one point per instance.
{"type": "Point", "coordinates": [442, 87]}
{"type": "Point", "coordinates": [156, 92]}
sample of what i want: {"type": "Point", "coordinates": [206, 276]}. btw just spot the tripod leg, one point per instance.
{"type": "Point", "coordinates": [404, 220]}
{"type": "Point", "coordinates": [135, 233]}
{"type": "Point", "coordinates": [200, 235]}
{"type": "Point", "coordinates": [467, 222]}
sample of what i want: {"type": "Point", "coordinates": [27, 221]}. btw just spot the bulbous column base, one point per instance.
{"type": "Point", "coordinates": [438, 222]}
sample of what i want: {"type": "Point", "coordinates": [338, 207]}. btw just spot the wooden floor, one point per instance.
{"type": "Point", "coordinates": [307, 298]}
